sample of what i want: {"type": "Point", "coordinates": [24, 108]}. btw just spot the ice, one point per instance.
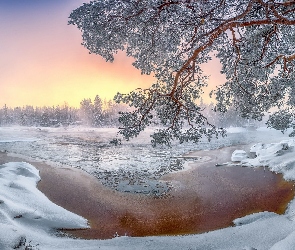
{"type": "Point", "coordinates": [89, 149]}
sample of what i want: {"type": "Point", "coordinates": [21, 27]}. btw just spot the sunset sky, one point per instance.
{"type": "Point", "coordinates": [42, 61]}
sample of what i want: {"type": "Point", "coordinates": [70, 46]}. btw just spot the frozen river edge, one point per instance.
{"type": "Point", "coordinates": [133, 167]}
{"type": "Point", "coordinates": [259, 231]}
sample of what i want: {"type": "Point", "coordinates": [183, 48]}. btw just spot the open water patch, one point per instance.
{"type": "Point", "coordinates": [212, 198]}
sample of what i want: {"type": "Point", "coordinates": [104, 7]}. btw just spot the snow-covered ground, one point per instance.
{"type": "Point", "coordinates": [25, 212]}
{"type": "Point", "coordinates": [28, 217]}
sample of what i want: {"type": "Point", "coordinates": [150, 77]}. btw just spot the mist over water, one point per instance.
{"type": "Point", "coordinates": [134, 166]}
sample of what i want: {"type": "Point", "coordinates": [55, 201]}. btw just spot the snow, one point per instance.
{"type": "Point", "coordinates": [239, 155]}
{"type": "Point", "coordinates": [278, 157]}
{"type": "Point", "coordinates": [27, 217]}
{"type": "Point", "coordinates": [24, 210]}
{"type": "Point", "coordinates": [233, 130]}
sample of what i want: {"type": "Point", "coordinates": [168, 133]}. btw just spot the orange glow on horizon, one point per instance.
{"type": "Point", "coordinates": [43, 63]}
{"type": "Point", "coordinates": [72, 83]}
{"type": "Point", "coordinates": [53, 68]}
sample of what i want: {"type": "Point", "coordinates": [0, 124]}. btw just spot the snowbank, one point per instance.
{"type": "Point", "coordinates": [278, 157]}
{"type": "Point", "coordinates": [26, 212]}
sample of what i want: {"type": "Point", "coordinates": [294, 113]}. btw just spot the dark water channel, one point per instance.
{"type": "Point", "coordinates": [204, 199]}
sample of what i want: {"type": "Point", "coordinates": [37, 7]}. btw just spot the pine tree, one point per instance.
{"type": "Point", "coordinates": [97, 112]}
{"type": "Point", "coordinates": [86, 112]}
{"type": "Point", "coordinates": [253, 39]}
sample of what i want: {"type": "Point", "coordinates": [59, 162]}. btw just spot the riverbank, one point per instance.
{"type": "Point", "coordinates": [204, 198]}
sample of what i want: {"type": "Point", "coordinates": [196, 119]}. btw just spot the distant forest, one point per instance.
{"type": "Point", "coordinates": [97, 113]}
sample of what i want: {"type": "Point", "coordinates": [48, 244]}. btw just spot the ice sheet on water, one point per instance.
{"type": "Point", "coordinates": [89, 149]}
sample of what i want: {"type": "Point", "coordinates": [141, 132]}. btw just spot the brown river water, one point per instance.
{"type": "Point", "coordinates": [211, 199]}
{"type": "Point", "coordinates": [204, 198]}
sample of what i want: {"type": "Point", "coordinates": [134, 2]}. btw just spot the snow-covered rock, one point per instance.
{"type": "Point", "coordinates": [278, 157]}
{"type": "Point", "coordinates": [239, 155]}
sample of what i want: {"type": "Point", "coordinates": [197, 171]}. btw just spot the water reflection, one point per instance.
{"type": "Point", "coordinates": [207, 199]}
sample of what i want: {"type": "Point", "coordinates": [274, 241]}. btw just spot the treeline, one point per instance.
{"type": "Point", "coordinates": [96, 113]}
